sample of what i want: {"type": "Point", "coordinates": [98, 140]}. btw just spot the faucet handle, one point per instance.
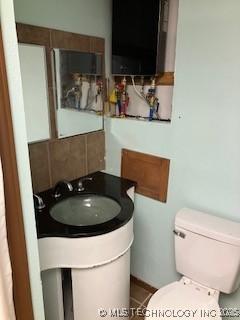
{"type": "Point", "coordinates": [80, 186]}
{"type": "Point", "coordinates": [56, 190]}
{"type": "Point", "coordinates": [38, 202]}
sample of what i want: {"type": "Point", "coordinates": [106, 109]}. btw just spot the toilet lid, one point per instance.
{"type": "Point", "coordinates": [179, 300]}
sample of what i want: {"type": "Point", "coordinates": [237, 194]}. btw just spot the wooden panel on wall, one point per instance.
{"type": "Point", "coordinates": [97, 45]}
{"type": "Point", "coordinates": [53, 38]}
{"type": "Point", "coordinates": [163, 79]}
{"type": "Point", "coordinates": [150, 172]}
{"type": "Point", "coordinates": [33, 34]}
{"type": "Point", "coordinates": [70, 41]}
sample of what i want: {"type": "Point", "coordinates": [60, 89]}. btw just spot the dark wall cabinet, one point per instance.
{"type": "Point", "coordinates": [139, 32]}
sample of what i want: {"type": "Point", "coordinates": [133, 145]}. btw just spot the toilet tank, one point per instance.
{"type": "Point", "coordinates": [207, 249]}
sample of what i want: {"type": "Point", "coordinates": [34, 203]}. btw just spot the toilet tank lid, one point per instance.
{"type": "Point", "coordinates": [209, 225]}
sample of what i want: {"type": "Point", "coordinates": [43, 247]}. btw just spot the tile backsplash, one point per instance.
{"type": "Point", "coordinates": [40, 168]}
{"type": "Point", "coordinates": [68, 158]}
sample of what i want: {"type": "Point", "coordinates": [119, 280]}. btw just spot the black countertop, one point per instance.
{"type": "Point", "coordinates": [101, 184]}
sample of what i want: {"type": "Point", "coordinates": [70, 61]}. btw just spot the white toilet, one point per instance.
{"type": "Point", "coordinates": [207, 253]}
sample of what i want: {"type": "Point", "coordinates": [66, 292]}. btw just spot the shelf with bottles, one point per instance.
{"type": "Point", "coordinates": [142, 98]}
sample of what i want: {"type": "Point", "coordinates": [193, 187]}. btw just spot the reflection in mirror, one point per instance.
{"type": "Point", "coordinates": [79, 88]}
{"type": "Point", "coordinates": [82, 62]}
{"type": "Point", "coordinates": [35, 91]}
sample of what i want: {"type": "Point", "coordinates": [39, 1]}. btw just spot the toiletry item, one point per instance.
{"type": "Point", "coordinates": [113, 97]}
{"type": "Point", "coordinates": [152, 100]}
{"type": "Point", "coordinates": [119, 90]}
{"type": "Point", "coordinates": [119, 97]}
{"type": "Point", "coordinates": [125, 98]}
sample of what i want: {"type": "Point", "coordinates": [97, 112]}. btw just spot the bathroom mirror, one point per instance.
{"type": "Point", "coordinates": [79, 92]}
{"type": "Point", "coordinates": [35, 91]}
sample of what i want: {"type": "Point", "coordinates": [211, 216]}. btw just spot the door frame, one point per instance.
{"type": "Point", "coordinates": [14, 216]}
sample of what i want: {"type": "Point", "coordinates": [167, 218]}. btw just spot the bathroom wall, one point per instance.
{"type": "Point", "coordinates": [77, 154]}
{"type": "Point", "coordinates": [70, 158]}
{"type": "Point", "coordinates": [92, 17]}
{"type": "Point", "coordinates": [201, 141]}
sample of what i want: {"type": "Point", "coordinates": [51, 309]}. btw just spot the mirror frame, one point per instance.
{"type": "Point", "coordinates": [53, 38]}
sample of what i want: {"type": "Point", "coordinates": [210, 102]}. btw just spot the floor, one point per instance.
{"type": "Point", "coordinates": [139, 298]}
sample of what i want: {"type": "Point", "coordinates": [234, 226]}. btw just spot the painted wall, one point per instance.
{"type": "Point", "coordinates": [201, 141]}
{"type": "Point", "coordinates": [92, 17]}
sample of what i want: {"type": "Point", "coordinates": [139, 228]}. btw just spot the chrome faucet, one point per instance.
{"type": "Point", "coordinates": [38, 202]}
{"type": "Point", "coordinates": [59, 184]}
{"type": "Point", "coordinates": [80, 186]}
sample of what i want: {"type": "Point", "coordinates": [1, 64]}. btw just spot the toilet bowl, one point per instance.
{"type": "Point", "coordinates": [184, 299]}
{"type": "Point", "coordinates": [207, 254]}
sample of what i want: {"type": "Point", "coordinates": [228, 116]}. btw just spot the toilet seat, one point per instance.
{"type": "Point", "coordinates": [185, 300]}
